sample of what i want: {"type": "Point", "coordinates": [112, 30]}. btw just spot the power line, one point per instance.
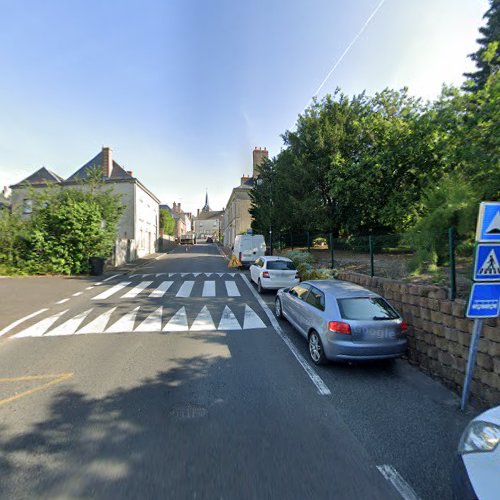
{"type": "Point", "coordinates": [348, 48]}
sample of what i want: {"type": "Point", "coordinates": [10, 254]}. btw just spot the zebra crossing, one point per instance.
{"type": "Point", "coordinates": [156, 321]}
{"type": "Point", "coordinates": [182, 289]}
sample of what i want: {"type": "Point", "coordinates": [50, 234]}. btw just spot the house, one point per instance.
{"type": "Point", "coordinates": [138, 229]}
{"type": "Point", "coordinates": [208, 222]}
{"type": "Point", "coordinates": [183, 220]}
{"type": "Point", "coordinates": [237, 218]}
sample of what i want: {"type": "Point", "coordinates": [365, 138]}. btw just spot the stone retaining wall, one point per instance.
{"type": "Point", "coordinates": [439, 334]}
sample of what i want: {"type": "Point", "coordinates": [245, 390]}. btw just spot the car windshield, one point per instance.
{"type": "Point", "coordinates": [365, 308]}
{"type": "Point", "coordinates": [281, 265]}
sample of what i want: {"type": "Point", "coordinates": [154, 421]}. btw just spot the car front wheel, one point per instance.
{"type": "Point", "coordinates": [278, 309]}
{"type": "Point", "coordinates": [316, 350]}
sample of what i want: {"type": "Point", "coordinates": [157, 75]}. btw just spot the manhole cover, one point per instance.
{"type": "Point", "coordinates": [188, 411]}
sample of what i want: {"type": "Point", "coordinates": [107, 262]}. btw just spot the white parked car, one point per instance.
{"type": "Point", "coordinates": [476, 472]}
{"type": "Point", "coordinates": [271, 273]}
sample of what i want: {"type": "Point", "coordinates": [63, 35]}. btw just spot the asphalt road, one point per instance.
{"type": "Point", "coordinates": [173, 382]}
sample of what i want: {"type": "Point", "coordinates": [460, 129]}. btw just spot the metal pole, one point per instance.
{"type": "Point", "coordinates": [331, 249]}
{"type": "Point", "coordinates": [271, 240]}
{"type": "Point", "coordinates": [451, 248]}
{"type": "Point", "coordinates": [471, 362]}
{"type": "Point", "coordinates": [372, 264]}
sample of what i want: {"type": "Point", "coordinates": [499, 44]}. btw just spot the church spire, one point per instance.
{"type": "Point", "coordinates": [206, 208]}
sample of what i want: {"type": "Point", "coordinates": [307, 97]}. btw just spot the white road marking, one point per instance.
{"type": "Point", "coordinates": [183, 275]}
{"type": "Point", "coordinates": [251, 319]}
{"type": "Point", "coordinates": [208, 274]}
{"type": "Point", "coordinates": [228, 321]}
{"type": "Point", "coordinates": [148, 274]}
{"type": "Point", "coordinates": [160, 291]}
{"type": "Point", "coordinates": [232, 274]}
{"type": "Point", "coordinates": [159, 274]}
{"type": "Point", "coordinates": [315, 378]}
{"type": "Point", "coordinates": [203, 321]}
{"type": "Point", "coordinates": [172, 274]}
{"type": "Point", "coordinates": [133, 275]}
{"type": "Point", "coordinates": [178, 322]}
{"type": "Point", "coordinates": [152, 323]}
{"type": "Point", "coordinates": [221, 274]}
{"type": "Point", "coordinates": [136, 290]}
{"type": "Point", "coordinates": [89, 287]}
{"type": "Point", "coordinates": [98, 283]}
{"type": "Point", "coordinates": [112, 290]}
{"type": "Point", "coordinates": [38, 329]}
{"type": "Point", "coordinates": [69, 327]}
{"type": "Point", "coordinates": [111, 277]}
{"type": "Point", "coordinates": [77, 294]}
{"type": "Point", "coordinates": [185, 289]}
{"type": "Point", "coordinates": [232, 289]}
{"type": "Point", "coordinates": [208, 289]}
{"type": "Point", "coordinates": [97, 325]}
{"type": "Point", "coordinates": [393, 476]}
{"type": "Point", "coordinates": [19, 321]}
{"type": "Point", "coordinates": [124, 324]}
{"type": "Point", "coordinates": [62, 301]}
{"type": "Point", "coordinates": [196, 274]}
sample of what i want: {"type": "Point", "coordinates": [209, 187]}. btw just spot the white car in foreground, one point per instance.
{"type": "Point", "coordinates": [476, 472]}
{"type": "Point", "coordinates": [272, 273]}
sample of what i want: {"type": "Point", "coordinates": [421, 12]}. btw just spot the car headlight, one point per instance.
{"type": "Point", "coordinates": [479, 437]}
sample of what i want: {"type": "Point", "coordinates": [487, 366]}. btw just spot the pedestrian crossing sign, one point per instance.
{"type": "Point", "coordinates": [487, 262]}
{"type": "Point", "coordinates": [234, 262]}
{"type": "Point", "coordinates": [488, 224]}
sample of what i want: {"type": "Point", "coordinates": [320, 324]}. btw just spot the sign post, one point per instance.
{"type": "Point", "coordinates": [484, 299]}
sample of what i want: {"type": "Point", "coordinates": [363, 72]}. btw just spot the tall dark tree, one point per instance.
{"type": "Point", "coordinates": [487, 57]}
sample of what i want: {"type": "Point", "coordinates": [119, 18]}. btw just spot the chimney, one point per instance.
{"type": "Point", "coordinates": [130, 172]}
{"type": "Point", "coordinates": [174, 208]}
{"type": "Point", "coordinates": [107, 162]}
{"type": "Point", "coordinates": [259, 155]}
{"type": "Point", "coordinates": [198, 214]}
{"type": "Point", "coordinates": [179, 208]}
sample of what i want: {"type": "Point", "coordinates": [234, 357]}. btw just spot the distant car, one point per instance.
{"type": "Point", "coordinates": [271, 273]}
{"type": "Point", "coordinates": [343, 321]}
{"type": "Point", "coordinates": [476, 471]}
{"type": "Point", "coordinates": [209, 240]}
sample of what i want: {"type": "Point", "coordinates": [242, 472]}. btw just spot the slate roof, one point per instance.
{"type": "Point", "coordinates": [41, 177]}
{"type": "Point", "coordinates": [209, 215]}
{"type": "Point", "coordinates": [117, 173]}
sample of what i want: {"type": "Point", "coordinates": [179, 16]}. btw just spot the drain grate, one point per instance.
{"type": "Point", "coordinates": [188, 411]}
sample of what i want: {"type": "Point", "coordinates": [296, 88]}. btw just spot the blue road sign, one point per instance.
{"type": "Point", "coordinates": [484, 301]}
{"type": "Point", "coordinates": [488, 224]}
{"type": "Point", "coordinates": [487, 262]}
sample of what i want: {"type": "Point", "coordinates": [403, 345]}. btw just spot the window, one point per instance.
{"type": "Point", "coordinates": [316, 298]}
{"type": "Point", "coordinates": [259, 262]}
{"type": "Point", "coordinates": [364, 308]}
{"type": "Point", "coordinates": [27, 206]}
{"type": "Point", "coordinates": [300, 291]}
{"type": "Point", "coordinates": [281, 265]}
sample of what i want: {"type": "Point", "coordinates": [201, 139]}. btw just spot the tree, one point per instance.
{"type": "Point", "coordinates": [167, 222]}
{"type": "Point", "coordinates": [487, 57]}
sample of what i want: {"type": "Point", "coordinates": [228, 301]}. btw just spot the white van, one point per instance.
{"type": "Point", "coordinates": [248, 248]}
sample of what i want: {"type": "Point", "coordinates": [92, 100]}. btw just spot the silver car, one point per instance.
{"type": "Point", "coordinates": [343, 321]}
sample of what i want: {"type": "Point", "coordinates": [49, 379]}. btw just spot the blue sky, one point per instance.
{"type": "Point", "coordinates": [183, 90]}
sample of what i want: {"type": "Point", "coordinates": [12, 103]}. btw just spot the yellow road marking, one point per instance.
{"type": "Point", "coordinates": [56, 379]}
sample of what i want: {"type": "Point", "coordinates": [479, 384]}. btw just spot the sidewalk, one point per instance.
{"type": "Point", "coordinates": [136, 264]}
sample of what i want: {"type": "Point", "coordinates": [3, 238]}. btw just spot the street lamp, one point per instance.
{"type": "Point", "coordinates": [260, 181]}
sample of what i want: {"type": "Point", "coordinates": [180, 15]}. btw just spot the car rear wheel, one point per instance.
{"type": "Point", "coordinates": [278, 309]}
{"type": "Point", "coordinates": [259, 287]}
{"type": "Point", "coordinates": [316, 350]}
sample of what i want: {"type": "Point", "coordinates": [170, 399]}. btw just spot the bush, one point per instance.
{"type": "Point", "coordinates": [298, 257]}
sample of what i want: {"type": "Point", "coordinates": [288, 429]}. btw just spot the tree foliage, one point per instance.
{"type": "Point", "coordinates": [66, 227]}
{"type": "Point", "coordinates": [167, 222]}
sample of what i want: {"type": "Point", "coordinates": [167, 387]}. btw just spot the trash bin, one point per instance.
{"type": "Point", "coordinates": [96, 266]}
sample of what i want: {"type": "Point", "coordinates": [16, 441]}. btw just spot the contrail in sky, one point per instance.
{"type": "Point", "coordinates": [353, 41]}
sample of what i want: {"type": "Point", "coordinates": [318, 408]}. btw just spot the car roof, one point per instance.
{"type": "Point", "coordinates": [342, 289]}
